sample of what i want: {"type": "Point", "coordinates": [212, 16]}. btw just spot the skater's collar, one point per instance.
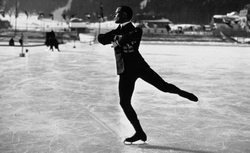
{"type": "Point", "coordinates": [125, 23]}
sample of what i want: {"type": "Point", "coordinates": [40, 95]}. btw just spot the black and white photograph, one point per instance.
{"type": "Point", "coordinates": [115, 76]}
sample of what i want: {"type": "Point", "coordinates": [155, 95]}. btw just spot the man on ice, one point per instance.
{"type": "Point", "coordinates": [131, 66]}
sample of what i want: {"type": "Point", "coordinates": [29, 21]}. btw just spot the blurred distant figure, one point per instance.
{"type": "Point", "coordinates": [51, 41]}
{"type": "Point", "coordinates": [180, 30]}
{"type": "Point", "coordinates": [168, 28]}
{"type": "Point", "coordinates": [12, 42]}
{"type": "Point", "coordinates": [21, 40]}
{"type": "Point", "coordinates": [155, 27]}
{"type": "Point", "coordinates": [191, 28]}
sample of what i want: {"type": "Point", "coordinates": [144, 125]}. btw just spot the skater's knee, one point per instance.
{"type": "Point", "coordinates": [123, 104]}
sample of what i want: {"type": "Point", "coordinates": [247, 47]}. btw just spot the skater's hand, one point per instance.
{"type": "Point", "coordinates": [117, 37]}
{"type": "Point", "coordinates": [114, 44]}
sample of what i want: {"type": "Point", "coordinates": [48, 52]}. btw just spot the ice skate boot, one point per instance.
{"type": "Point", "coordinates": [136, 137]}
{"type": "Point", "coordinates": [188, 95]}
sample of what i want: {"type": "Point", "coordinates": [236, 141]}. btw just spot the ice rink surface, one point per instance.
{"type": "Point", "coordinates": [67, 102]}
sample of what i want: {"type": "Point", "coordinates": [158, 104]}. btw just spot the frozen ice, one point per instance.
{"type": "Point", "coordinates": [67, 102]}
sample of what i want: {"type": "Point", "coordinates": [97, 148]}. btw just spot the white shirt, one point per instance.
{"type": "Point", "coordinates": [125, 23]}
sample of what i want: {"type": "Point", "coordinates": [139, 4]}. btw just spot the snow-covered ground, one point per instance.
{"type": "Point", "coordinates": [68, 102]}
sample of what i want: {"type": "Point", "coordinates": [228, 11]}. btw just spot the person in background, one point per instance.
{"type": "Point", "coordinates": [51, 41]}
{"type": "Point", "coordinates": [11, 42]}
{"type": "Point", "coordinates": [168, 28]}
{"type": "Point", "coordinates": [21, 40]}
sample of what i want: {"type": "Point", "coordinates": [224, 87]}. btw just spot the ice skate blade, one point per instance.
{"type": "Point", "coordinates": [138, 142]}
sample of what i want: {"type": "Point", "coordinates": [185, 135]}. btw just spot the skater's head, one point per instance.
{"type": "Point", "coordinates": [123, 14]}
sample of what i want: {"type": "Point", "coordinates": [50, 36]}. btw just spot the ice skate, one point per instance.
{"type": "Point", "coordinates": [136, 137]}
{"type": "Point", "coordinates": [188, 95]}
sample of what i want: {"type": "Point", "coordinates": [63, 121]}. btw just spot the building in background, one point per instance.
{"type": "Point", "coordinates": [234, 24]}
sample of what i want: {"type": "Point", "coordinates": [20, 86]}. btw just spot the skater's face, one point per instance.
{"type": "Point", "coordinates": [120, 16]}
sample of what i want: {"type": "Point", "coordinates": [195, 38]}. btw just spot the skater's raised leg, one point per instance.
{"type": "Point", "coordinates": [154, 79]}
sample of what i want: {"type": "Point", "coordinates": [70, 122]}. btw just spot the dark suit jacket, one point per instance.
{"type": "Point", "coordinates": [128, 58]}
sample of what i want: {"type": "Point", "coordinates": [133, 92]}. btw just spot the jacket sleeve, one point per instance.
{"type": "Point", "coordinates": [134, 35]}
{"type": "Point", "coordinates": [106, 38]}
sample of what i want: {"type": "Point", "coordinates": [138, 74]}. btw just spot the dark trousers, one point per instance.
{"type": "Point", "coordinates": [126, 88]}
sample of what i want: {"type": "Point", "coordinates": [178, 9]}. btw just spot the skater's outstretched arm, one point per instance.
{"type": "Point", "coordinates": [107, 38]}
